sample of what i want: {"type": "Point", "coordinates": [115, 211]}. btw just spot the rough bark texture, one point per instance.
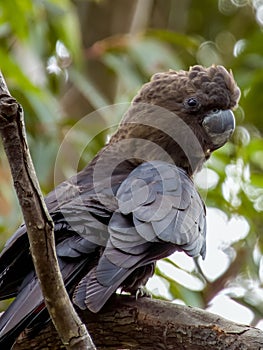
{"type": "Point", "coordinates": [39, 224]}
{"type": "Point", "coordinates": [152, 324]}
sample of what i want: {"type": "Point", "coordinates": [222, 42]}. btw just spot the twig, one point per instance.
{"type": "Point", "coordinates": [71, 330]}
{"type": "Point", "coordinates": [213, 288]}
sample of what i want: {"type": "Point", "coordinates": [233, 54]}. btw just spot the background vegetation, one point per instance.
{"type": "Point", "coordinates": [63, 60]}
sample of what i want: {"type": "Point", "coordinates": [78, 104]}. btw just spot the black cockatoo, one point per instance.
{"type": "Point", "coordinates": [134, 203]}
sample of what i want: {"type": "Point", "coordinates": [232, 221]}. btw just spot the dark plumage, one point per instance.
{"type": "Point", "coordinates": [134, 203]}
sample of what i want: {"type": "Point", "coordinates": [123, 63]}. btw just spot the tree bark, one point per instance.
{"type": "Point", "coordinates": [39, 224]}
{"type": "Point", "coordinates": [145, 324]}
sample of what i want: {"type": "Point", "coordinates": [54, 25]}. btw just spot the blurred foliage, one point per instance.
{"type": "Point", "coordinates": [64, 59]}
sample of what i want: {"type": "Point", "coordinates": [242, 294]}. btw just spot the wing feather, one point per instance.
{"type": "Point", "coordinates": [164, 206]}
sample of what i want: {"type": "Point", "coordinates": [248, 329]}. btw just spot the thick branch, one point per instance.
{"type": "Point", "coordinates": [152, 324]}
{"type": "Point", "coordinates": [39, 224]}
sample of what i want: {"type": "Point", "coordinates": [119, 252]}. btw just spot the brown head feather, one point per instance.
{"type": "Point", "coordinates": [159, 113]}
{"type": "Point", "coordinates": [214, 86]}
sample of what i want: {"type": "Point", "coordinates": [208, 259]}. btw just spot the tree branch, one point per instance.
{"type": "Point", "coordinates": [39, 224]}
{"type": "Point", "coordinates": [213, 288]}
{"type": "Point", "coordinates": [153, 324]}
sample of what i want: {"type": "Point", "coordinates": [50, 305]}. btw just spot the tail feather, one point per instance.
{"type": "Point", "coordinates": [92, 295]}
{"type": "Point", "coordinates": [28, 308]}
{"type": "Point", "coordinates": [20, 313]}
{"type": "Point", "coordinates": [100, 283]}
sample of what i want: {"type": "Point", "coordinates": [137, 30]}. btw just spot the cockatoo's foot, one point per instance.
{"type": "Point", "coordinates": [142, 292]}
